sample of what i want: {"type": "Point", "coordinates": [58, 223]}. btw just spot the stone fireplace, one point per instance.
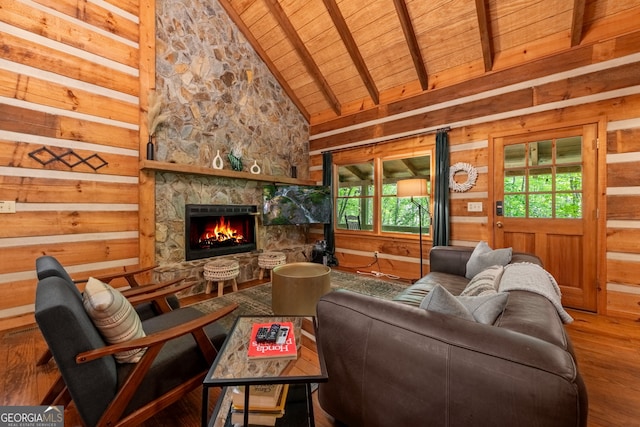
{"type": "Point", "coordinates": [214, 230]}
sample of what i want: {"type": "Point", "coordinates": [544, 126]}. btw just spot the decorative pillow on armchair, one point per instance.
{"type": "Point", "coordinates": [114, 316]}
{"type": "Point", "coordinates": [482, 309]}
{"type": "Point", "coordinates": [483, 257]}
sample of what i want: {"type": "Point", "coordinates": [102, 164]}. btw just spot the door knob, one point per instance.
{"type": "Point", "coordinates": [499, 224]}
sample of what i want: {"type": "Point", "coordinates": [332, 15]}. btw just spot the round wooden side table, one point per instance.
{"type": "Point", "coordinates": [270, 260]}
{"type": "Point", "coordinates": [220, 271]}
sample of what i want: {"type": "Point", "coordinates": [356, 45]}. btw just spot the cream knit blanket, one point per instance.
{"type": "Point", "coordinates": [525, 276]}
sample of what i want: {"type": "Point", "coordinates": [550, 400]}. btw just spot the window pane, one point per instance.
{"type": "Point", "coordinates": [400, 214]}
{"type": "Point", "coordinates": [355, 191]}
{"type": "Point", "coordinates": [514, 156]}
{"type": "Point", "coordinates": [540, 206]}
{"type": "Point", "coordinates": [569, 178]}
{"type": "Point", "coordinates": [515, 206]}
{"type": "Point", "coordinates": [569, 150]}
{"type": "Point", "coordinates": [514, 181]}
{"type": "Point", "coordinates": [540, 153]}
{"type": "Point", "coordinates": [540, 179]}
{"type": "Point", "coordinates": [569, 205]}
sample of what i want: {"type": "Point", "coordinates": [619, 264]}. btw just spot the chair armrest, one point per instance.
{"type": "Point", "coordinates": [157, 338]}
{"type": "Point", "coordinates": [144, 289]}
{"type": "Point", "coordinates": [129, 276]}
{"type": "Point", "coordinates": [163, 292]}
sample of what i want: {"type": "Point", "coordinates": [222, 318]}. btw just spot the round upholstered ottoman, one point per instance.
{"type": "Point", "coordinates": [220, 271]}
{"type": "Point", "coordinates": [270, 260]}
{"type": "Point", "coordinates": [297, 287]}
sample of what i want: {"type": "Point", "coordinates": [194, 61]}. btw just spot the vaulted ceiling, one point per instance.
{"type": "Point", "coordinates": [337, 57]}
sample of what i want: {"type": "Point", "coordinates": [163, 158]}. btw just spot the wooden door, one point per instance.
{"type": "Point", "coordinates": [545, 187]}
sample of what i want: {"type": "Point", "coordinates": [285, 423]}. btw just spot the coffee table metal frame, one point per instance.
{"type": "Point", "coordinates": [232, 367]}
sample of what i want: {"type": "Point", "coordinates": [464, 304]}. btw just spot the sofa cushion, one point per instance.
{"type": "Point", "coordinates": [485, 282]}
{"type": "Point", "coordinates": [483, 257]}
{"type": "Point", "coordinates": [482, 309]}
{"type": "Point", "coordinates": [114, 316]}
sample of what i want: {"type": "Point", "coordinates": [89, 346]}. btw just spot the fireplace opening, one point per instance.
{"type": "Point", "coordinates": [213, 230]}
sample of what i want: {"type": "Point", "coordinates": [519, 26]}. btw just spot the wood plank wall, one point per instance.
{"type": "Point", "coordinates": [70, 79]}
{"type": "Point", "coordinates": [598, 81]}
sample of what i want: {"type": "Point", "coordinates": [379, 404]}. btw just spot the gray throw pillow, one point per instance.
{"type": "Point", "coordinates": [486, 308]}
{"type": "Point", "coordinates": [483, 257]}
{"type": "Point", "coordinates": [442, 301]}
{"type": "Point", "coordinates": [485, 282]}
{"type": "Point", "coordinates": [482, 309]}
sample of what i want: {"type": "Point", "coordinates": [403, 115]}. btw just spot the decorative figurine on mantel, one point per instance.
{"type": "Point", "coordinates": [154, 120]}
{"type": "Point", "coordinates": [235, 158]}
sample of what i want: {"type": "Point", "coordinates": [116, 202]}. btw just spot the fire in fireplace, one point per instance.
{"type": "Point", "coordinates": [212, 230]}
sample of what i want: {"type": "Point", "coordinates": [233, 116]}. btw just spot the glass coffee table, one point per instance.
{"type": "Point", "coordinates": [232, 368]}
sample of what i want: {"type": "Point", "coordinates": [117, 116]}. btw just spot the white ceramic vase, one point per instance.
{"type": "Point", "coordinates": [217, 161]}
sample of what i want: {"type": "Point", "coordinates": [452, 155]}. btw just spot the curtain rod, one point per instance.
{"type": "Point", "coordinates": [444, 129]}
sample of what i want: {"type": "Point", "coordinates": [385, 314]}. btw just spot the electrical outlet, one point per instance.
{"type": "Point", "coordinates": [474, 207]}
{"type": "Point", "coordinates": [8, 206]}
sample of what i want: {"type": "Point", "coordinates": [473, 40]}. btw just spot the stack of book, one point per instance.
{"type": "Point", "coordinates": [266, 404]}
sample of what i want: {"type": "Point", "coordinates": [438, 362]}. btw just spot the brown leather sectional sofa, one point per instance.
{"type": "Point", "coordinates": [394, 364]}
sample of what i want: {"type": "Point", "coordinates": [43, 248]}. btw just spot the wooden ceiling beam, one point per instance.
{"type": "Point", "coordinates": [577, 22]}
{"type": "Point", "coordinates": [485, 34]}
{"type": "Point", "coordinates": [352, 48]}
{"type": "Point", "coordinates": [412, 42]}
{"type": "Point", "coordinates": [307, 59]}
{"type": "Point", "coordinates": [235, 17]}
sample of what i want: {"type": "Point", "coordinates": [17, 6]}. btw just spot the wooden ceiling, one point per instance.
{"type": "Point", "coordinates": [338, 57]}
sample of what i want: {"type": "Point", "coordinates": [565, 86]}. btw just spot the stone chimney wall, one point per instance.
{"type": "Point", "coordinates": [220, 98]}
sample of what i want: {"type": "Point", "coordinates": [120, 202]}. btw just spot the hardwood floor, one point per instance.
{"type": "Point", "coordinates": [607, 349]}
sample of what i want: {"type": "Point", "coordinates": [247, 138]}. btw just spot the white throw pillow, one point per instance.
{"type": "Point", "coordinates": [484, 283]}
{"type": "Point", "coordinates": [483, 257]}
{"type": "Point", "coordinates": [114, 316]}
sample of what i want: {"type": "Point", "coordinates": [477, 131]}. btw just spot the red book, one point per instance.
{"type": "Point", "coordinates": [285, 348]}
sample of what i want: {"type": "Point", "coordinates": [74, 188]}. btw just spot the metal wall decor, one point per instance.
{"type": "Point", "coordinates": [70, 158]}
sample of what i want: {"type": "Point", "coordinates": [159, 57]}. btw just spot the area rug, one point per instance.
{"type": "Point", "coordinates": [257, 299]}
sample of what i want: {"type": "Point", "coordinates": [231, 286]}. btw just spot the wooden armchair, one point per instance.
{"type": "Point", "coordinates": [181, 345]}
{"type": "Point", "coordinates": [47, 265]}
{"type": "Point", "coordinates": [164, 297]}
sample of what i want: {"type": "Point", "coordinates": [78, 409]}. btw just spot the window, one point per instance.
{"type": "Point", "coordinates": [367, 186]}
{"type": "Point", "coordinates": [543, 179]}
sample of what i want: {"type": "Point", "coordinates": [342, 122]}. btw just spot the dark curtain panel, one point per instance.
{"type": "Point", "coordinates": [441, 196]}
{"type": "Point", "coordinates": [327, 179]}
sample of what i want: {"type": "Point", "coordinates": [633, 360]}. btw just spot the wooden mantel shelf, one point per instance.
{"type": "Point", "coordinates": [225, 173]}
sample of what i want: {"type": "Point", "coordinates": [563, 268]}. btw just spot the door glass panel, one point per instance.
{"type": "Point", "coordinates": [569, 205]}
{"type": "Point", "coordinates": [569, 150]}
{"type": "Point", "coordinates": [540, 206]}
{"type": "Point", "coordinates": [514, 181]}
{"type": "Point", "coordinates": [543, 179]}
{"type": "Point", "coordinates": [540, 153]}
{"type": "Point", "coordinates": [569, 178]}
{"type": "Point", "coordinates": [515, 156]}
{"type": "Point", "coordinates": [515, 205]}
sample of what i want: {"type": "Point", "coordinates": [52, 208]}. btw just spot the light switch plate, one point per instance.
{"type": "Point", "coordinates": [474, 207]}
{"type": "Point", "coordinates": [8, 206]}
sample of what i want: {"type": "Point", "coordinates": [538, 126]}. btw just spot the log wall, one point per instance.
{"type": "Point", "coordinates": [70, 131]}
{"type": "Point", "coordinates": [592, 83]}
